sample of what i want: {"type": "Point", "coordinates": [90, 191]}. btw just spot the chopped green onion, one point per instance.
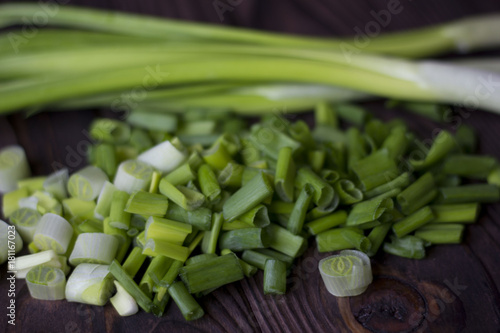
{"type": "Point", "coordinates": [368, 211]}
{"type": "Point", "coordinates": [26, 221]}
{"type": "Point", "coordinates": [157, 268]}
{"type": "Point", "coordinates": [326, 222]}
{"type": "Point", "coordinates": [375, 170]}
{"type": "Point", "coordinates": [298, 214]}
{"type": "Point", "coordinates": [284, 179]}
{"type": "Point", "coordinates": [109, 130]}
{"type": "Point", "coordinates": [414, 221]}
{"type": "Point", "coordinates": [408, 246]}
{"type": "Point", "coordinates": [155, 182]}
{"type": "Point", "coordinates": [217, 156]}
{"type": "Point", "coordinates": [169, 278]}
{"type": "Point", "coordinates": [211, 238]}
{"type": "Point", "coordinates": [269, 140]}
{"type": "Point", "coordinates": [25, 263]}
{"type": "Point", "coordinates": [255, 258]}
{"type": "Point", "coordinates": [140, 139]}
{"type": "Point", "coordinates": [442, 145]}
{"type": "Point", "coordinates": [449, 233]}
{"type": "Point", "coordinates": [158, 247]}
{"type": "Point", "coordinates": [145, 203]}
{"type": "Point", "coordinates": [323, 193]}
{"type": "Point", "coordinates": [94, 248]}
{"type": "Point", "coordinates": [347, 192]}
{"type": "Point", "coordinates": [33, 184]}
{"type": "Point", "coordinates": [235, 225]}
{"type": "Point", "coordinates": [56, 184]}
{"type": "Point", "coordinates": [255, 217]}
{"type": "Point", "coordinates": [188, 306]}
{"type": "Point", "coordinates": [90, 284]}
{"type": "Point", "coordinates": [330, 176]}
{"type": "Point", "coordinates": [470, 166]}
{"type": "Point", "coordinates": [6, 246]}
{"type": "Point", "coordinates": [274, 277]}
{"type": "Point", "coordinates": [208, 183]}
{"type": "Point", "coordinates": [133, 176]}
{"type": "Point", "coordinates": [456, 213]}
{"type": "Point", "coordinates": [377, 131]}
{"type": "Point", "coordinates": [118, 217]}
{"type": "Point", "coordinates": [466, 139]}
{"type": "Point", "coordinates": [401, 181]}
{"type": "Point", "coordinates": [123, 302]}
{"type": "Point", "coordinates": [10, 201]}
{"type": "Point", "coordinates": [244, 239]}
{"type": "Point", "coordinates": [247, 197]}
{"type": "Point", "coordinates": [341, 239]}
{"type": "Point", "coordinates": [108, 229]}
{"type": "Point", "coordinates": [232, 175]}
{"type": "Point", "coordinates": [90, 225]}
{"type": "Point", "coordinates": [418, 194]}
{"type": "Point", "coordinates": [32, 249]}
{"type": "Point", "coordinates": [13, 167]}
{"type": "Point", "coordinates": [104, 201]}
{"type": "Point", "coordinates": [494, 177]}
{"type": "Point", "coordinates": [134, 261]}
{"type": "Point", "coordinates": [86, 184]}
{"type": "Point", "coordinates": [377, 236]}
{"type": "Point", "coordinates": [158, 228]}
{"type": "Point", "coordinates": [153, 120]}
{"type": "Point", "coordinates": [280, 207]}
{"type": "Point", "coordinates": [325, 115]}
{"type": "Point", "coordinates": [74, 207]}
{"type": "Point", "coordinates": [248, 269]}
{"type": "Point", "coordinates": [53, 233]}
{"type": "Point", "coordinates": [182, 196]}
{"type": "Point", "coordinates": [200, 218]}
{"type": "Point", "coordinates": [285, 242]}
{"type": "Point", "coordinates": [46, 283]}
{"type": "Point", "coordinates": [130, 286]}
{"type": "Point", "coordinates": [211, 273]}
{"type": "Point", "coordinates": [104, 157]}
{"type": "Point", "coordinates": [181, 175]}
{"type": "Point", "coordinates": [346, 274]}
{"type": "Point", "coordinates": [46, 203]}
{"type": "Point", "coordinates": [199, 258]}
{"type": "Point", "coordinates": [353, 114]}
{"type": "Point", "coordinates": [468, 194]}
{"type": "Point", "coordinates": [396, 143]}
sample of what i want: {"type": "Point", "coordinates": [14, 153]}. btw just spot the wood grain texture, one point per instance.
{"type": "Point", "coordinates": [455, 288]}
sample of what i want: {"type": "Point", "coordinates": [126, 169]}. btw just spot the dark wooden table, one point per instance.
{"type": "Point", "coordinates": [454, 289]}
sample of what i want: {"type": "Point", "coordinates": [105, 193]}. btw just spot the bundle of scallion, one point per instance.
{"type": "Point", "coordinates": [179, 65]}
{"type": "Point", "coordinates": [203, 201]}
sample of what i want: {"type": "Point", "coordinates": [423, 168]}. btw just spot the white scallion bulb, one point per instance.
{"type": "Point", "coordinates": [13, 167]}
{"type": "Point", "coordinates": [46, 283]}
{"type": "Point", "coordinates": [53, 233]}
{"type": "Point", "coordinates": [26, 220]}
{"type": "Point", "coordinates": [94, 248]}
{"type": "Point", "coordinates": [164, 157]}
{"type": "Point", "coordinates": [124, 304]}
{"type": "Point", "coordinates": [56, 184]}
{"type": "Point", "coordinates": [10, 241]}
{"type": "Point", "coordinates": [133, 176]}
{"type": "Point", "coordinates": [86, 184]}
{"type": "Point", "coordinates": [90, 284]}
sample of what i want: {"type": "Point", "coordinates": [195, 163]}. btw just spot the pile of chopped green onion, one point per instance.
{"type": "Point", "coordinates": [179, 213]}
